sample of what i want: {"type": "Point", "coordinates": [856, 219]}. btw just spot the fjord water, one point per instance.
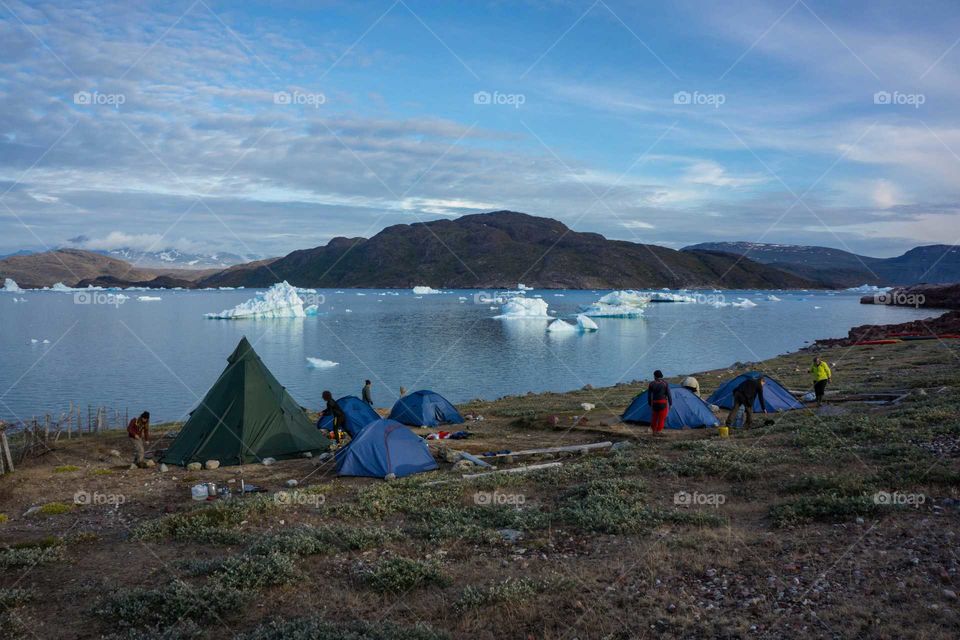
{"type": "Point", "coordinates": [163, 356]}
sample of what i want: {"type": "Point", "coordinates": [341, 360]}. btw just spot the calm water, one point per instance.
{"type": "Point", "coordinates": [163, 356]}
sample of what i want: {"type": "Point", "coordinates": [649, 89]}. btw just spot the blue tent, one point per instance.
{"type": "Point", "coordinates": [687, 410]}
{"type": "Point", "coordinates": [359, 414]}
{"type": "Point", "coordinates": [382, 448]}
{"type": "Point", "coordinates": [425, 409]}
{"type": "Point", "coordinates": [775, 396]}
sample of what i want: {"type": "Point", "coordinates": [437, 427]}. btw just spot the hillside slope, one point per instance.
{"type": "Point", "coordinates": [500, 249]}
{"type": "Point", "coordinates": [73, 266]}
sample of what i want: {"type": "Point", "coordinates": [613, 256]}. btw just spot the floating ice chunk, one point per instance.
{"type": "Point", "coordinates": [560, 326]}
{"type": "Point", "coordinates": [424, 290]}
{"type": "Point", "coordinates": [520, 307]}
{"type": "Point", "coordinates": [348, 310]}
{"type": "Point", "coordinates": [10, 286]}
{"type": "Point", "coordinates": [867, 288]}
{"type": "Point", "coordinates": [361, 294]}
{"type": "Point", "coordinates": [601, 310]}
{"type": "Point", "coordinates": [279, 301]}
{"type": "Point", "coordinates": [773, 298]}
{"type": "Point", "coordinates": [743, 303]}
{"type": "Point", "coordinates": [659, 296]}
{"type": "Point", "coordinates": [60, 287]}
{"type": "Point", "coordinates": [46, 341]}
{"type": "Point", "coordinates": [558, 295]}
{"type": "Point", "coordinates": [626, 297]}
{"type": "Point", "coordinates": [34, 341]}
{"type": "Point", "coordinates": [585, 323]}
{"type": "Point", "coordinates": [149, 298]}
{"type": "Point", "coordinates": [523, 287]}
{"type": "Point", "coordinates": [320, 363]}
{"type": "Point", "coordinates": [312, 310]}
{"type": "Point", "coordinates": [816, 307]}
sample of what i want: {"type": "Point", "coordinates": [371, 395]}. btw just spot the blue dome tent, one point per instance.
{"type": "Point", "coordinates": [425, 408]}
{"type": "Point", "coordinates": [359, 414]}
{"type": "Point", "coordinates": [775, 396]}
{"type": "Point", "coordinates": [687, 410]}
{"type": "Point", "coordinates": [385, 447]}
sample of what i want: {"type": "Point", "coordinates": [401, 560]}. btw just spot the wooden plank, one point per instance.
{"type": "Point", "coordinates": [532, 467]}
{"type": "Point", "coordinates": [574, 447]}
{"type": "Point", "coordinates": [475, 460]}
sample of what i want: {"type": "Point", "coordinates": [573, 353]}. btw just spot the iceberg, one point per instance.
{"type": "Point", "coordinates": [279, 301]}
{"type": "Point", "coordinates": [523, 287]}
{"type": "Point", "coordinates": [867, 288]}
{"type": "Point", "coordinates": [601, 310]}
{"type": "Point", "coordinates": [320, 363]}
{"type": "Point", "coordinates": [149, 298]}
{"type": "Point", "coordinates": [312, 310]}
{"type": "Point", "coordinates": [10, 286]}
{"type": "Point", "coordinates": [520, 307]}
{"type": "Point", "coordinates": [627, 297]}
{"type": "Point", "coordinates": [561, 326]}
{"type": "Point", "coordinates": [773, 298]}
{"type": "Point", "coordinates": [584, 323]}
{"type": "Point", "coordinates": [424, 290]}
{"type": "Point", "coordinates": [660, 296]}
{"type": "Point", "coordinates": [743, 303]}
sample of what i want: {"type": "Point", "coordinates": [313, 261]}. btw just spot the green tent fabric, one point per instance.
{"type": "Point", "coordinates": [245, 417]}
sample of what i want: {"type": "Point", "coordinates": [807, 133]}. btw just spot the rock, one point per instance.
{"type": "Point", "coordinates": [390, 476]}
{"type": "Point", "coordinates": [307, 454]}
{"type": "Point", "coordinates": [194, 466]}
{"type": "Point", "coordinates": [268, 461]}
{"type": "Point", "coordinates": [114, 453]}
{"type": "Point", "coordinates": [211, 465]}
{"type": "Point", "coordinates": [620, 446]}
{"type": "Point", "coordinates": [150, 464]}
{"type": "Point", "coordinates": [949, 594]}
{"type": "Point", "coordinates": [132, 467]}
{"type": "Point", "coordinates": [510, 535]}
{"type": "Point", "coordinates": [462, 465]}
{"type": "Point", "coordinates": [448, 455]}
{"type": "Point", "coordinates": [587, 387]}
{"type": "Point", "coordinates": [163, 468]}
{"type": "Point", "coordinates": [920, 392]}
{"type": "Point", "coordinates": [31, 511]}
{"type": "Point", "coordinates": [292, 483]}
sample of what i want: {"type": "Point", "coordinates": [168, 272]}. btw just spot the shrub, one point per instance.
{"type": "Point", "coordinates": [608, 506]}
{"type": "Point", "coordinates": [185, 630]}
{"type": "Point", "coordinates": [316, 628]}
{"type": "Point", "coordinates": [510, 591]}
{"type": "Point", "coordinates": [248, 571]}
{"type": "Point", "coordinates": [824, 508]}
{"type": "Point", "coordinates": [399, 575]}
{"type": "Point", "coordinates": [3, 518]}
{"type": "Point", "coordinates": [14, 597]}
{"type": "Point", "coordinates": [210, 524]}
{"type": "Point", "coordinates": [169, 604]}
{"type": "Point", "coordinates": [308, 540]}
{"type": "Point", "coordinates": [29, 556]}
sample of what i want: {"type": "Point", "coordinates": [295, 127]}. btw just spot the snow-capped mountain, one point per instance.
{"type": "Point", "coordinates": [175, 259]}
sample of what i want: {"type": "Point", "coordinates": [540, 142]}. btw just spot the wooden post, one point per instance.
{"type": "Point", "coordinates": [5, 451]}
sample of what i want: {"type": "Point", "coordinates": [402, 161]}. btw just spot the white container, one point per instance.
{"type": "Point", "coordinates": [199, 492]}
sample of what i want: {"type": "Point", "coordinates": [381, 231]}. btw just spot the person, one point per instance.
{"type": "Point", "coordinates": [339, 418]}
{"type": "Point", "coordinates": [691, 384]}
{"type": "Point", "coordinates": [367, 396]}
{"type": "Point", "coordinates": [660, 400]}
{"type": "Point", "coordinates": [403, 391]}
{"type": "Point", "coordinates": [821, 373]}
{"type": "Point", "coordinates": [743, 396]}
{"type": "Point", "coordinates": [139, 432]}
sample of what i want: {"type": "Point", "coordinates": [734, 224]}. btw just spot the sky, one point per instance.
{"type": "Point", "coordinates": [265, 127]}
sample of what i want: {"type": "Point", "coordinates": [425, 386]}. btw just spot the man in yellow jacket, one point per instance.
{"type": "Point", "coordinates": [821, 376]}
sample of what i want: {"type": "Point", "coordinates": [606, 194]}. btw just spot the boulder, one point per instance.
{"type": "Point", "coordinates": [292, 483]}
{"type": "Point", "coordinates": [268, 461]}
{"type": "Point", "coordinates": [149, 464]}
{"type": "Point", "coordinates": [194, 466]}
{"type": "Point", "coordinates": [164, 468]}
{"type": "Point", "coordinates": [211, 464]}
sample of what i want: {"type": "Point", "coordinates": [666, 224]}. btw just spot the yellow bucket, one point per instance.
{"type": "Point", "coordinates": [724, 432]}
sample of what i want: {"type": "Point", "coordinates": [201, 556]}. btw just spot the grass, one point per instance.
{"type": "Point", "coordinates": [512, 591]}
{"type": "Point", "coordinates": [316, 628]}
{"type": "Point", "coordinates": [56, 508]}
{"type": "Point", "coordinates": [216, 523]}
{"type": "Point", "coordinates": [400, 575]}
{"type": "Point", "coordinates": [66, 468]}
{"type": "Point", "coordinates": [4, 518]}
{"type": "Point", "coordinates": [825, 508]}
{"type": "Point", "coordinates": [103, 472]}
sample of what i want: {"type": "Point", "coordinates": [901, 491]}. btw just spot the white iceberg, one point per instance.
{"type": "Point", "coordinates": [320, 363]}
{"type": "Point", "coordinates": [279, 301]}
{"type": "Point", "coordinates": [520, 307]}
{"type": "Point", "coordinates": [149, 298]}
{"type": "Point", "coordinates": [424, 290]}
{"type": "Point", "coordinates": [523, 287]}
{"type": "Point", "coordinates": [10, 286]}
{"type": "Point", "coordinates": [561, 326]}
{"type": "Point", "coordinates": [773, 298]}
{"type": "Point", "coordinates": [626, 297]}
{"type": "Point", "coordinates": [584, 323]}
{"type": "Point", "coordinates": [660, 296]}
{"type": "Point", "coordinates": [60, 287]}
{"type": "Point", "coordinates": [743, 303]}
{"type": "Point", "coordinates": [867, 288]}
{"type": "Point", "coordinates": [601, 310]}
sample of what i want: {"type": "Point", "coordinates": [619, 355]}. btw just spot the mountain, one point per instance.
{"type": "Point", "coordinates": [72, 266]}
{"type": "Point", "coordinates": [22, 252]}
{"type": "Point", "coordinates": [937, 263]}
{"type": "Point", "coordinates": [498, 250]}
{"type": "Point", "coordinates": [175, 259]}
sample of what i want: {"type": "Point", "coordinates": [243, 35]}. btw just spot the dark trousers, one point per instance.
{"type": "Point", "coordinates": [819, 388]}
{"type": "Point", "coordinates": [747, 410]}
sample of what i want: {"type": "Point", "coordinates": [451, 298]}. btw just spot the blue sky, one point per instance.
{"type": "Point", "coordinates": [266, 127]}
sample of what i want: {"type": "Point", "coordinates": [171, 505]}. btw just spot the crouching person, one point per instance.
{"type": "Point", "coordinates": [139, 432]}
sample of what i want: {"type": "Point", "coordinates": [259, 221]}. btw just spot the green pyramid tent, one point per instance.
{"type": "Point", "coordinates": [245, 417]}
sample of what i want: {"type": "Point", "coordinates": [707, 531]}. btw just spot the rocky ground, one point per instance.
{"type": "Point", "coordinates": [839, 522]}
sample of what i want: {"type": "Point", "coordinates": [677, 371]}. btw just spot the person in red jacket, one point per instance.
{"type": "Point", "coordinates": [139, 432]}
{"type": "Point", "coordinates": [660, 400]}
